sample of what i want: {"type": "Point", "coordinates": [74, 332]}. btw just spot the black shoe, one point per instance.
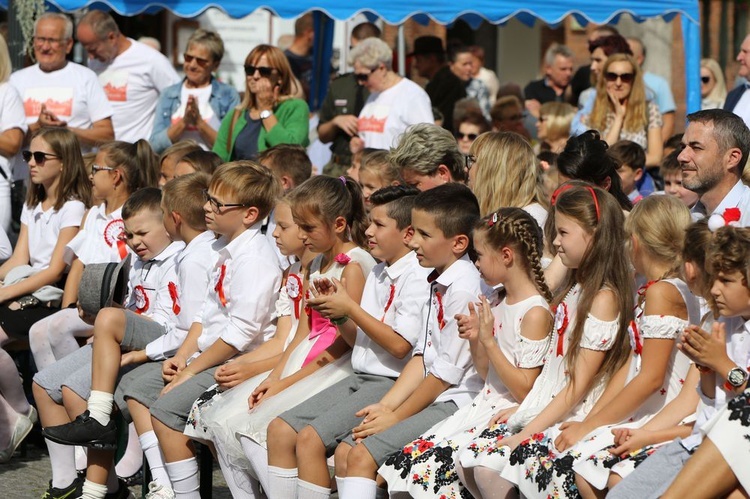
{"type": "Point", "coordinates": [85, 431]}
{"type": "Point", "coordinates": [123, 492]}
{"type": "Point", "coordinates": [75, 489]}
{"type": "Point", "coordinates": [134, 479]}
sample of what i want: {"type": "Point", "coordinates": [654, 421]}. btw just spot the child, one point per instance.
{"type": "Point", "coordinates": [631, 163]}
{"type": "Point", "coordinates": [375, 173]}
{"type": "Point", "coordinates": [330, 215]}
{"type": "Point", "coordinates": [383, 330]}
{"type": "Point", "coordinates": [656, 370]}
{"type": "Point", "coordinates": [118, 170]}
{"type": "Point", "coordinates": [55, 204]}
{"type": "Point", "coordinates": [588, 343]}
{"type": "Point", "coordinates": [509, 247]}
{"type": "Point", "coordinates": [63, 388]}
{"type": "Point", "coordinates": [722, 356]}
{"type": "Point", "coordinates": [671, 172]}
{"type": "Point", "coordinates": [440, 378]}
{"type": "Point", "coordinates": [197, 161]}
{"type": "Point", "coordinates": [289, 162]}
{"type": "Point", "coordinates": [171, 156]}
{"type": "Point", "coordinates": [235, 317]}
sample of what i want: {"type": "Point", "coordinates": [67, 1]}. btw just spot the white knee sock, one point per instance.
{"type": "Point", "coordinates": [100, 406]}
{"type": "Point", "coordinates": [132, 459]}
{"type": "Point", "coordinates": [62, 460]}
{"type": "Point", "coordinates": [282, 483]}
{"type": "Point", "coordinates": [258, 457]}
{"type": "Point", "coordinates": [307, 490]}
{"type": "Point", "coordinates": [155, 458]}
{"type": "Point", "coordinates": [93, 490]}
{"type": "Point", "coordinates": [185, 478]}
{"type": "Point", "coordinates": [340, 485]}
{"type": "Point", "coordinates": [357, 487]}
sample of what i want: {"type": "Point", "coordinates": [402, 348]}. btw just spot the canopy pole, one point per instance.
{"type": "Point", "coordinates": [691, 40]}
{"type": "Point", "coordinates": [401, 51]}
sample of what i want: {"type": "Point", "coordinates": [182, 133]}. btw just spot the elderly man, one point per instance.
{"type": "Point", "coordinates": [558, 72]}
{"type": "Point", "coordinates": [132, 74]}
{"type": "Point", "coordinates": [58, 93]}
{"type": "Point", "coordinates": [738, 100]}
{"type": "Point", "coordinates": [715, 149]}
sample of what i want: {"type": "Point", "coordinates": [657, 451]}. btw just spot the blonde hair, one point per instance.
{"type": "Point", "coordinates": [250, 184]}
{"type": "Point", "coordinates": [719, 92]}
{"type": "Point", "coordinates": [377, 162]}
{"type": "Point", "coordinates": [184, 195]}
{"type": "Point", "coordinates": [507, 172]}
{"type": "Point", "coordinates": [558, 116]}
{"type": "Point", "coordinates": [5, 67]}
{"type": "Point", "coordinates": [636, 118]}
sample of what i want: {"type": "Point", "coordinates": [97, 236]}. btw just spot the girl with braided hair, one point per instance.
{"type": "Point", "coordinates": [508, 341]}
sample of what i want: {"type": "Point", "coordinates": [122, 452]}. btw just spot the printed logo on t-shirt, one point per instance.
{"type": "Point", "coordinates": [115, 84]}
{"type": "Point", "coordinates": [373, 118]}
{"type": "Point", "coordinates": [57, 100]}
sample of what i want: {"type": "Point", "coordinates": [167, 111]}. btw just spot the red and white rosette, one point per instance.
{"type": "Point", "coordinates": [175, 297]}
{"type": "Point", "coordinates": [141, 299]}
{"type": "Point", "coordinates": [114, 234]}
{"type": "Point", "coordinates": [730, 217]}
{"type": "Point", "coordinates": [561, 325]}
{"type": "Point", "coordinates": [294, 291]}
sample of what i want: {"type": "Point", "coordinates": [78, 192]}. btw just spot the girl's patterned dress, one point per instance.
{"type": "Point", "coordinates": [426, 466]}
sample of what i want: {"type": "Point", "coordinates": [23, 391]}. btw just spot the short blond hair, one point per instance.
{"type": "Point", "coordinates": [249, 183]}
{"type": "Point", "coordinates": [184, 195]}
{"type": "Point", "coordinates": [558, 116]}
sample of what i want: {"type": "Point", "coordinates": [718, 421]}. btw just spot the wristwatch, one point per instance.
{"type": "Point", "coordinates": [266, 113]}
{"type": "Point", "coordinates": [737, 377]}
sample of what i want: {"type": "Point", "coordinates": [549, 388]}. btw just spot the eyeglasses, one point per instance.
{"type": "Point", "coordinates": [469, 161]}
{"type": "Point", "coordinates": [200, 61]}
{"type": "Point", "coordinates": [705, 79]}
{"type": "Point", "coordinates": [624, 77]}
{"type": "Point", "coordinates": [217, 205]}
{"type": "Point", "coordinates": [470, 136]}
{"type": "Point", "coordinates": [265, 72]}
{"type": "Point", "coordinates": [97, 168]}
{"type": "Point", "coordinates": [39, 156]}
{"type": "Point", "coordinates": [41, 40]}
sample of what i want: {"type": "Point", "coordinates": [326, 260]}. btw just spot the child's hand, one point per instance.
{"type": "Point", "coordinates": [629, 440]}
{"type": "Point", "coordinates": [513, 441]}
{"type": "Point", "coordinates": [571, 433]}
{"type": "Point", "coordinates": [134, 357]}
{"type": "Point", "coordinates": [177, 381]}
{"type": "Point", "coordinates": [468, 325]}
{"type": "Point", "coordinates": [503, 416]}
{"type": "Point", "coordinates": [323, 286]}
{"type": "Point", "coordinates": [232, 374]}
{"type": "Point", "coordinates": [704, 348]}
{"type": "Point", "coordinates": [486, 322]}
{"type": "Point", "coordinates": [375, 422]}
{"type": "Point", "coordinates": [333, 301]}
{"type": "Point", "coordinates": [268, 387]}
{"type": "Point", "coordinates": [171, 367]}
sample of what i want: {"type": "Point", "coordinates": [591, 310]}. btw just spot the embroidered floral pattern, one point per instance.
{"type": "Point", "coordinates": [739, 408]}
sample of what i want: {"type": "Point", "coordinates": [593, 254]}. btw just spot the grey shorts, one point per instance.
{"type": "Point", "coordinates": [145, 384]}
{"type": "Point", "coordinates": [331, 412]}
{"type": "Point", "coordinates": [654, 475]}
{"type": "Point", "coordinates": [140, 331]}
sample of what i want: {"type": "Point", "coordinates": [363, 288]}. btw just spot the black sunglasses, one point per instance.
{"type": "Point", "coordinates": [624, 77]}
{"type": "Point", "coordinates": [362, 77]}
{"type": "Point", "coordinates": [217, 205]}
{"type": "Point", "coordinates": [470, 136]}
{"type": "Point", "coordinates": [265, 71]}
{"type": "Point", "coordinates": [705, 79]}
{"type": "Point", "coordinates": [39, 156]}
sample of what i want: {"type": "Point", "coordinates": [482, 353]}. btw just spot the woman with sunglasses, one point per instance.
{"type": "Point", "coordinates": [713, 86]}
{"type": "Point", "coordinates": [194, 108]}
{"type": "Point", "coordinates": [470, 126]}
{"type": "Point", "coordinates": [621, 110]}
{"type": "Point", "coordinates": [394, 103]}
{"type": "Point", "coordinates": [269, 114]}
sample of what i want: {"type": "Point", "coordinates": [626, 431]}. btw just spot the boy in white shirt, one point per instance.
{"type": "Point", "coordinates": [383, 330]}
{"type": "Point", "coordinates": [440, 377]}
{"type": "Point", "coordinates": [236, 316]}
{"type": "Point", "coordinates": [68, 381]}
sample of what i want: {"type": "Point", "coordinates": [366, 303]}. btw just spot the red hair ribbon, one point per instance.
{"type": "Point", "coordinates": [567, 186]}
{"type": "Point", "coordinates": [175, 299]}
{"type": "Point", "coordinates": [219, 288]}
{"type": "Point", "coordinates": [441, 312]}
{"type": "Point", "coordinates": [561, 325]}
{"type": "Point", "coordinates": [391, 295]}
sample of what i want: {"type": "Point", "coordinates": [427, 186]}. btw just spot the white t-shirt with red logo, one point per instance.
{"type": "Point", "coordinates": [389, 113]}
{"type": "Point", "coordinates": [133, 81]}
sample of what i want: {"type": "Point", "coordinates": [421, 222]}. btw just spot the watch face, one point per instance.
{"type": "Point", "coordinates": [736, 377]}
{"type": "Point", "coordinates": [265, 114]}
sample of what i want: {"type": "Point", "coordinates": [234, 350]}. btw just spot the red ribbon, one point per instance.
{"type": "Point", "coordinates": [637, 341]}
{"type": "Point", "coordinates": [389, 302]}
{"type": "Point", "coordinates": [562, 309]}
{"type": "Point", "coordinates": [440, 313]}
{"type": "Point", "coordinates": [219, 288]}
{"type": "Point", "coordinates": [298, 298]}
{"type": "Point", "coordinates": [122, 248]}
{"type": "Point", "coordinates": [175, 299]}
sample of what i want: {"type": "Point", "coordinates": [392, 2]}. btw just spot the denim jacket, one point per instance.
{"type": "Point", "coordinates": [223, 99]}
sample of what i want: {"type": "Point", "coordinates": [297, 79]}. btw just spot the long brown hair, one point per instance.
{"type": "Point", "coordinates": [137, 163]}
{"type": "Point", "coordinates": [278, 61]}
{"type": "Point", "coordinates": [605, 265]}
{"type": "Point", "coordinates": [636, 118]}
{"type": "Point", "coordinates": [74, 180]}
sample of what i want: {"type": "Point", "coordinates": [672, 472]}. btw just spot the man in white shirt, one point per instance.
{"type": "Point", "coordinates": [132, 74]}
{"type": "Point", "coordinates": [715, 149]}
{"type": "Point", "coordinates": [58, 93]}
{"type": "Point", "coordinates": [738, 100]}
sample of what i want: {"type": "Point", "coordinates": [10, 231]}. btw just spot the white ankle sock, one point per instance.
{"type": "Point", "coordinates": [340, 484]}
{"type": "Point", "coordinates": [131, 461]}
{"type": "Point", "coordinates": [185, 478]}
{"type": "Point", "coordinates": [100, 406]}
{"type": "Point", "coordinates": [307, 490]}
{"type": "Point", "coordinates": [258, 457]}
{"type": "Point", "coordinates": [155, 458]}
{"type": "Point", "coordinates": [62, 459]}
{"type": "Point", "coordinates": [282, 483]}
{"type": "Point", "coordinates": [357, 487]}
{"type": "Point", "coordinates": [93, 490]}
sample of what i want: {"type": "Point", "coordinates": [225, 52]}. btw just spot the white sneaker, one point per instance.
{"type": "Point", "coordinates": [159, 491]}
{"type": "Point", "coordinates": [20, 430]}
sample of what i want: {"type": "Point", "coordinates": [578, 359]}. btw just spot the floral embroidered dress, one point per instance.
{"type": "Point", "coordinates": [729, 430]}
{"type": "Point", "coordinates": [428, 469]}
{"type": "Point", "coordinates": [598, 335]}
{"type": "Point", "coordinates": [592, 452]}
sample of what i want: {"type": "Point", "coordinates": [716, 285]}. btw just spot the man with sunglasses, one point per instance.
{"type": "Point", "coordinates": [132, 74]}
{"type": "Point", "coordinates": [738, 100]}
{"type": "Point", "coordinates": [59, 93]}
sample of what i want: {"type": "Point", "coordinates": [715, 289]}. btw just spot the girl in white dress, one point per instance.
{"type": "Point", "coordinates": [508, 344]}
{"type": "Point", "coordinates": [589, 340]}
